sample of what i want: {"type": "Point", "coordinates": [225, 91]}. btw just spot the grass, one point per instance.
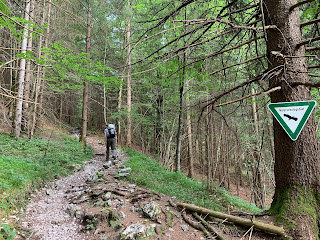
{"type": "Point", "coordinates": [26, 164]}
{"type": "Point", "coordinates": [149, 173]}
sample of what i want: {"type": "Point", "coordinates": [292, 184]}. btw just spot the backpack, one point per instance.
{"type": "Point", "coordinates": [111, 133]}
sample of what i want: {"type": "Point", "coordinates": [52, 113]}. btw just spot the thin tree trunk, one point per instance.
{"type": "Point", "coordinates": [18, 112]}
{"type": "Point", "coordinates": [119, 137]}
{"type": "Point", "coordinates": [40, 73]}
{"type": "Point", "coordinates": [86, 85]}
{"type": "Point", "coordinates": [179, 132]}
{"type": "Point", "coordinates": [190, 141]}
{"type": "Point", "coordinates": [129, 97]}
{"type": "Point", "coordinates": [25, 104]}
{"type": "Point", "coordinates": [257, 190]}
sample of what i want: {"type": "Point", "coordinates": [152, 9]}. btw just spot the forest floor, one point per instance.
{"type": "Point", "coordinates": [95, 204]}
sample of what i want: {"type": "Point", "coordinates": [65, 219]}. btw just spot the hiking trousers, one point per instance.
{"type": "Point", "coordinates": [111, 142]}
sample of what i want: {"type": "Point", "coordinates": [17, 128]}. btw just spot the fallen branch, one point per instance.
{"type": "Point", "coordinates": [197, 226]}
{"type": "Point", "coordinates": [208, 226]}
{"type": "Point", "coordinates": [237, 220]}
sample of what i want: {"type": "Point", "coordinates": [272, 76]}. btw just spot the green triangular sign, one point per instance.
{"type": "Point", "coordinates": [292, 116]}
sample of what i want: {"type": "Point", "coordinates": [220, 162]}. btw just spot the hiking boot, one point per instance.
{"type": "Point", "coordinates": [107, 165]}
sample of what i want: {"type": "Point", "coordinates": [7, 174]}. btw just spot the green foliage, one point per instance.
{"type": "Point", "coordinates": [149, 173]}
{"type": "Point", "coordinates": [69, 70]}
{"type": "Point", "coordinates": [12, 22]}
{"type": "Point", "coordinates": [26, 162]}
{"type": "Point", "coordinates": [6, 232]}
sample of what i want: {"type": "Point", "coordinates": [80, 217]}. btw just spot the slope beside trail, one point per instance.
{"type": "Point", "coordinates": [94, 204]}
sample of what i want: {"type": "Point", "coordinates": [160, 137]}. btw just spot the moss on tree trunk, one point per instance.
{"type": "Point", "coordinates": [297, 208]}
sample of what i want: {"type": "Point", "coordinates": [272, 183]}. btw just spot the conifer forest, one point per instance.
{"type": "Point", "coordinates": [191, 83]}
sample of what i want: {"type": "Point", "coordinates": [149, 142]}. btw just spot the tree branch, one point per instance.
{"type": "Point", "coordinates": [248, 96]}
{"type": "Point", "coordinates": [220, 52]}
{"type": "Point", "coordinates": [241, 9]}
{"type": "Point", "coordinates": [213, 20]}
{"type": "Point", "coordinates": [299, 4]}
{"type": "Point", "coordinates": [314, 66]}
{"type": "Point", "coordinates": [312, 48]}
{"type": "Point", "coordinates": [314, 75]}
{"type": "Point", "coordinates": [307, 84]}
{"type": "Point", "coordinates": [212, 101]}
{"type": "Point", "coordinates": [309, 23]}
{"type": "Point", "coordinates": [307, 41]}
{"type": "Point", "coordinates": [244, 62]}
{"type": "Point", "coordinates": [197, 226]}
{"type": "Point", "coordinates": [208, 226]}
{"type": "Point", "coordinates": [164, 19]}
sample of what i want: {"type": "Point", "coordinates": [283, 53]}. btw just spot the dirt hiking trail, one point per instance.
{"type": "Point", "coordinates": [95, 203]}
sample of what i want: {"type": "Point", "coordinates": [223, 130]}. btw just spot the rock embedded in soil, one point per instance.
{"type": "Point", "coordinates": [134, 231]}
{"type": "Point", "coordinates": [152, 210]}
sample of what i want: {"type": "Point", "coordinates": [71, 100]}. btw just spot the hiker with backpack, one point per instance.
{"type": "Point", "coordinates": [110, 140]}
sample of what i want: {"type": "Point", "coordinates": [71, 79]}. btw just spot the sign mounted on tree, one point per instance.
{"type": "Point", "coordinates": [292, 116]}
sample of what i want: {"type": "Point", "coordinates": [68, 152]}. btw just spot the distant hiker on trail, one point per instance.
{"type": "Point", "coordinates": [110, 140]}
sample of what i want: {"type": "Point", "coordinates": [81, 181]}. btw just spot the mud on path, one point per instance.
{"type": "Point", "coordinates": [94, 203]}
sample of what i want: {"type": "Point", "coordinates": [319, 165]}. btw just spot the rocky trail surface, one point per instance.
{"type": "Point", "coordinates": [97, 203]}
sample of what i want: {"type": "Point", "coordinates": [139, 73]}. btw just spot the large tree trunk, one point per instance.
{"type": "Point", "coordinates": [18, 112]}
{"type": "Point", "coordinates": [297, 171]}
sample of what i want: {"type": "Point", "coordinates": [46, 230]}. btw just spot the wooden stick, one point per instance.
{"type": "Point", "coordinates": [237, 220]}
{"type": "Point", "coordinates": [197, 226]}
{"type": "Point", "coordinates": [208, 226]}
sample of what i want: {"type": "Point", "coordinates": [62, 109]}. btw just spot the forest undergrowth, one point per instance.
{"type": "Point", "coordinates": [27, 164]}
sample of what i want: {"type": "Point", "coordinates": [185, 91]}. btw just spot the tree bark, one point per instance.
{"type": "Point", "coordinates": [297, 172]}
{"type": "Point", "coordinates": [129, 97]}
{"type": "Point", "coordinates": [86, 85]}
{"type": "Point", "coordinates": [40, 72]}
{"type": "Point", "coordinates": [18, 112]}
{"type": "Point", "coordinates": [190, 140]}
{"type": "Point", "coordinates": [25, 104]}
